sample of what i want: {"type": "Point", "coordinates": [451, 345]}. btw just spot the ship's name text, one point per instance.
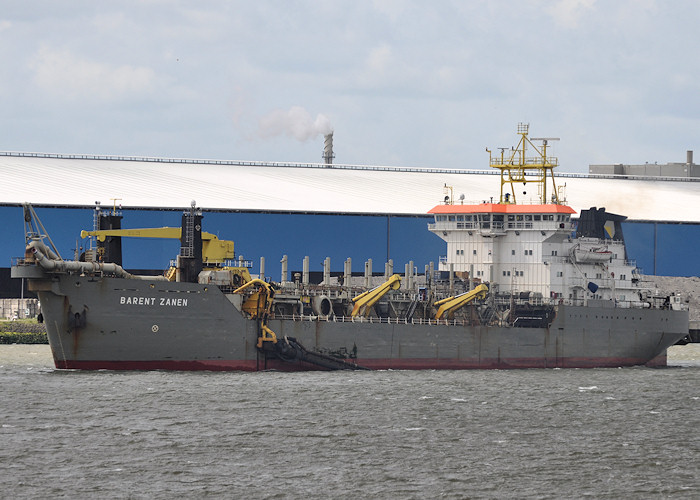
{"type": "Point", "coordinates": [152, 301]}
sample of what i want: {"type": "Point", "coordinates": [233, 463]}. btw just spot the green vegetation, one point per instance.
{"type": "Point", "coordinates": [22, 332]}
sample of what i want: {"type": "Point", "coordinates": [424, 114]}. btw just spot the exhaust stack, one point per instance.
{"type": "Point", "coordinates": [328, 149]}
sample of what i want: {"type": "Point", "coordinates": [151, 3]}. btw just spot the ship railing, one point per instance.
{"type": "Point", "coordinates": [493, 228]}
{"type": "Point", "coordinates": [550, 259]}
{"type": "Point", "coordinates": [602, 282]}
{"type": "Point", "coordinates": [519, 225]}
{"type": "Point", "coordinates": [533, 301]}
{"type": "Point", "coordinates": [238, 263]}
{"type": "Point", "coordinates": [617, 304]}
{"type": "Point", "coordinates": [529, 161]}
{"type": "Point", "coordinates": [370, 320]}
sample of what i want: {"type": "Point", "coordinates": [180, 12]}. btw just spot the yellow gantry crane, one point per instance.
{"type": "Point", "coordinates": [214, 250]}
{"type": "Point", "coordinates": [365, 301]}
{"type": "Point", "coordinates": [451, 304]}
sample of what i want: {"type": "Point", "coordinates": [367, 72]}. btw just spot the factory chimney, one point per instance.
{"type": "Point", "coordinates": [689, 157]}
{"type": "Point", "coordinates": [328, 149]}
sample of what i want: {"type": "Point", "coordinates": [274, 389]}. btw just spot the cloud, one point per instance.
{"type": "Point", "coordinates": [295, 122]}
{"type": "Point", "coordinates": [379, 58]}
{"type": "Point", "coordinates": [60, 72]}
{"type": "Point", "coordinates": [567, 13]}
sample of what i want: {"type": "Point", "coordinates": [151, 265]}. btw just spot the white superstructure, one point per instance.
{"type": "Point", "coordinates": [533, 248]}
{"type": "Point", "coordinates": [537, 248]}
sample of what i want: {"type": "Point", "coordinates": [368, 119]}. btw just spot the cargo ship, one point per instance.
{"type": "Point", "coordinates": [522, 285]}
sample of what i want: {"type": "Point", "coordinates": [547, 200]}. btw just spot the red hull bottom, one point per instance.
{"type": "Point", "coordinates": [372, 364]}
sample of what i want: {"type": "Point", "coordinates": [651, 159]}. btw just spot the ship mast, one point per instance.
{"type": "Point", "coordinates": [518, 167]}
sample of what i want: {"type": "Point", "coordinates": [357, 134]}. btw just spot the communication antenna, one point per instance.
{"type": "Point", "coordinates": [519, 167]}
{"type": "Point", "coordinates": [114, 205]}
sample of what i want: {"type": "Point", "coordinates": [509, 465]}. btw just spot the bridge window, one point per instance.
{"type": "Point", "coordinates": [538, 217]}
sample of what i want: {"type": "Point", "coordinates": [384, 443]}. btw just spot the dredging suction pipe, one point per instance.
{"type": "Point", "coordinates": [52, 264]}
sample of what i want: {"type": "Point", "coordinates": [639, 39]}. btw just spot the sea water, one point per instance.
{"type": "Point", "coordinates": [558, 433]}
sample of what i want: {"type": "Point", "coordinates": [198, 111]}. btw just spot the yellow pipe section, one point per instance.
{"type": "Point", "coordinates": [266, 334]}
{"type": "Point", "coordinates": [256, 281]}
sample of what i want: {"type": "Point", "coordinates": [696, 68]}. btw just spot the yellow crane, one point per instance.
{"type": "Point", "coordinates": [451, 304]}
{"type": "Point", "coordinates": [214, 250]}
{"type": "Point", "coordinates": [365, 301]}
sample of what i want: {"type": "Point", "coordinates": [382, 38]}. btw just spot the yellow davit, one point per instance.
{"type": "Point", "coordinates": [451, 304]}
{"type": "Point", "coordinates": [365, 301]}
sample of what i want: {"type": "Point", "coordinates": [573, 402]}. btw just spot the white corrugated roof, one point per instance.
{"type": "Point", "coordinates": [172, 183]}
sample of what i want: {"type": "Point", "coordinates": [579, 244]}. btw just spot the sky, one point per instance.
{"type": "Point", "coordinates": [402, 83]}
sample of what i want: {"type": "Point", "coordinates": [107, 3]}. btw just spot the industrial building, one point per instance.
{"type": "Point", "coordinates": [676, 170]}
{"type": "Point", "coordinates": [322, 209]}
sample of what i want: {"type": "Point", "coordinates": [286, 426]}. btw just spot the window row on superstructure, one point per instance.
{"type": "Point", "coordinates": [502, 217]}
{"type": "Point", "coordinates": [497, 221]}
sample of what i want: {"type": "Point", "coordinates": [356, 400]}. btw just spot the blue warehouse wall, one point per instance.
{"type": "Point", "coordinates": [658, 248]}
{"type": "Point", "coordinates": [664, 249]}
{"type": "Point", "coordinates": [254, 234]}
{"type": "Point", "coordinates": [63, 225]}
{"type": "Point", "coordinates": [320, 236]}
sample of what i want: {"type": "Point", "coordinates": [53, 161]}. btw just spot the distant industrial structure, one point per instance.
{"type": "Point", "coordinates": [681, 170]}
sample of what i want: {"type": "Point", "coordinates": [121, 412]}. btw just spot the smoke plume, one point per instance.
{"type": "Point", "coordinates": [295, 122]}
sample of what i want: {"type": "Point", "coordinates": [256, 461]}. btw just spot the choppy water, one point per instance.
{"type": "Point", "coordinates": [607, 433]}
